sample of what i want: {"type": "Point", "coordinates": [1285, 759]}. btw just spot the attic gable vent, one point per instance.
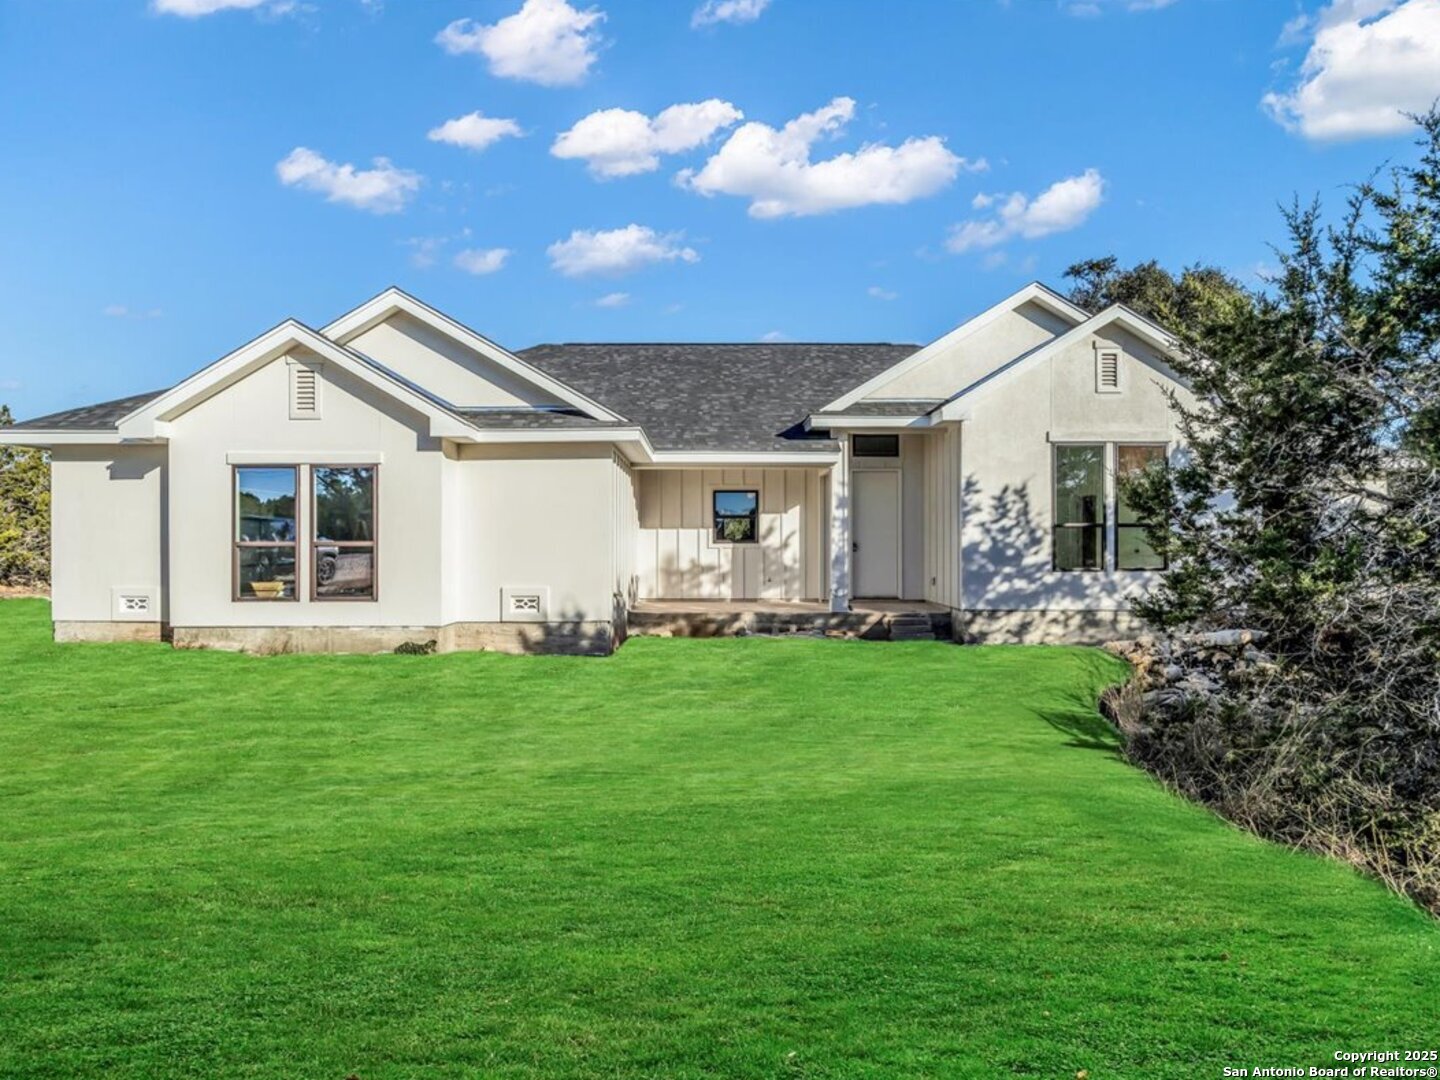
{"type": "Point", "coordinates": [1107, 371]}
{"type": "Point", "coordinates": [304, 392]}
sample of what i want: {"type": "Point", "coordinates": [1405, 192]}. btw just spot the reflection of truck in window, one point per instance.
{"type": "Point", "coordinates": [327, 560]}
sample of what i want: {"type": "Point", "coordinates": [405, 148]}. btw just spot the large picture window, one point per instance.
{"type": "Point", "coordinates": [343, 545]}
{"type": "Point", "coordinates": [264, 555]}
{"type": "Point", "coordinates": [1079, 507]}
{"type": "Point", "coordinates": [737, 516]}
{"type": "Point", "coordinates": [1133, 551]}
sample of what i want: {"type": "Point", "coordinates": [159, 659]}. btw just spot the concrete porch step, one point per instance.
{"type": "Point", "coordinates": [910, 626]}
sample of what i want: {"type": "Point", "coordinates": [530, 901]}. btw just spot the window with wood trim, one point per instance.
{"type": "Point", "coordinates": [1079, 530]}
{"type": "Point", "coordinates": [737, 515]}
{"type": "Point", "coordinates": [264, 556]}
{"type": "Point", "coordinates": [1133, 550]}
{"type": "Point", "coordinates": [344, 545]}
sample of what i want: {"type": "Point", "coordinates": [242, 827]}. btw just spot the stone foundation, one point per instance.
{"type": "Point", "coordinates": [1045, 627]}
{"type": "Point", "coordinates": [570, 638]}
{"type": "Point", "coordinates": [567, 638]}
{"type": "Point", "coordinates": [71, 631]}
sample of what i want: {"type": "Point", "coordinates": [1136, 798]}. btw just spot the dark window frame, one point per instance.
{"type": "Point", "coordinates": [237, 545]}
{"type": "Point", "coordinates": [717, 519]}
{"type": "Point", "coordinates": [372, 545]}
{"type": "Point", "coordinates": [855, 442]}
{"type": "Point", "coordinates": [1120, 526]}
{"type": "Point", "coordinates": [1102, 527]}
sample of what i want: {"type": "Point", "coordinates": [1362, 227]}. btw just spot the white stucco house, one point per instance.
{"type": "Point", "coordinates": [396, 477]}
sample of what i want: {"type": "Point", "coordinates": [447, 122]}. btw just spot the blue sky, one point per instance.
{"type": "Point", "coordinates": [175, 177]}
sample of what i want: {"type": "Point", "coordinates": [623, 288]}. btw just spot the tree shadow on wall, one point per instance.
{"type": "Point", "coordinates": [1006, 553]}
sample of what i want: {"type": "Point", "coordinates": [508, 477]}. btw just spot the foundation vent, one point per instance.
{"type": "Point", "coordinates": [134, 605]}
{"type": "Point", "coordinates": [519, 604]}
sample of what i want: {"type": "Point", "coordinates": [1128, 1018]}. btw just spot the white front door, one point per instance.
{"type": "Point", "coordinates": [876, 521]}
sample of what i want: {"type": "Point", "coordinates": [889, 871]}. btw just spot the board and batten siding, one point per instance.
{"type": "Point", "coordinates": [943, 498]}
{"type": "Point", "coordinates": [680, 559]}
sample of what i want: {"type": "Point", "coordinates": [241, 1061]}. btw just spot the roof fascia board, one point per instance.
{"type": "Point", "coordinates": [853, 421]}
{"type": "Point", "coordinates": [43, 438]}
{"type": "Point", "coordinates": [553, 435]}
{"type": "Point", "coordinates": [1035, 291]}
{"type": "Point", "coordinates": [678, 459]}
{"type": "Point", "coordinates": [151, 419]}
{"type": "Point", "coordinates": [379, 308]}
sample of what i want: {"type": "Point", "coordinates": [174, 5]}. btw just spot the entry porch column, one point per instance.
{"type": "Point", "coordinates": [840, 542]}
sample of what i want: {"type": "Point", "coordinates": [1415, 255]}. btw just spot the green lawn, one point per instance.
{"type": "Point", "coordinates": [741, 858]}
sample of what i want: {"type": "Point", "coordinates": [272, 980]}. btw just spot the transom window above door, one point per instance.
{"type": "Point", "coordinates": [875, 445]}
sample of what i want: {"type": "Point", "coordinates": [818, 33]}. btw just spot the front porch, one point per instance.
{"type": "Point", "coordinates": [873, 620]}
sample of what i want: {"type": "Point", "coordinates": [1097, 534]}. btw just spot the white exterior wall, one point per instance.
{"type": "Point", "coordinates": [249, 422]}
{"type": "Point", "coordinates": [107, 528]}
{"type": "Point", "coordinates": [679, 559]}
{"type": "Point", "coordinates": [953, 369]}
{"type": "Point", "coordinates": [454, 525]}
{"type": "Point", "coordinates": [535, 516]}
{"type": "Point", "coordinates": [1007, 480]}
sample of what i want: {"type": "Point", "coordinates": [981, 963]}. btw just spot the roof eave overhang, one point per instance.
{"type": "Point", "coordinates": [680, 459]}
{"type": "Point", "coordinates": [856, 422]}
{"type": "Point", "coordinates": [44, 439]}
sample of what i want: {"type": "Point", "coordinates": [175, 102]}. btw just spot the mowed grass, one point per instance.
{"type": "Point", "coordinates": [739, 858]}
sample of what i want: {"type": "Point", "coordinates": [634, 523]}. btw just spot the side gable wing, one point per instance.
{"type": "Point", "coordinates": [151, 420]}
{"type": "Point", "coordinates": [1036, 314]}
{"type": "Point", "coordinates": [430, 349]}
{"type": "Point", "coordinates": [1114, 318]}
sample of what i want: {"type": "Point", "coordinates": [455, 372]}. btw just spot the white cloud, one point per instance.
{"type": "Point", "coordinates": [481, 260]}
{"type": "Point", "coordinates": [730, 11]}
{"type": "Point", "coordinates": [383, 189]}
{"type": "Point", "coordinates": [1371, 62]}
{"type": "Point", "coordinates": [1064, 205]}
{"type": "Point", "coordinates": [621, 142]}
{"type": "Point", "coordinates": [546, 42]}
{"type": "Point", "coordinates": [616, 251]}
{"type": "Point", "coordinates": [193, 9]}
{"type": "Point", "coordinates": [474, 131]}
{"type": "Point", "coordinates": [773, 168]}
{"type": "Point", "coordinates": [11, 384]}
{"type": "Point", "coordinates": [878, 293]}
{"type": "Point", "coordinates": [771, 337]}
{"type": "Point", "coordinates": [425, 251]}
{"type": "Point", "coordinates": [613, 300]}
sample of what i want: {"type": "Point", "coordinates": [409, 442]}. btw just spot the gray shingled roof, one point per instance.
{"type": "Point", "coordinates": [751, 397]}
{"type": "Point", "coordinates": [534, 418]}
{"type": "Point", "coordinates": [718, 397]}
{"type": "Point", "coordinates": [100, 417]}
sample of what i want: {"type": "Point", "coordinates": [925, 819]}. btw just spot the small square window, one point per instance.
{"type": "Point", "coordinates": [875, 445]}
{"type": "Point", "coordinates": [737, 516]}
